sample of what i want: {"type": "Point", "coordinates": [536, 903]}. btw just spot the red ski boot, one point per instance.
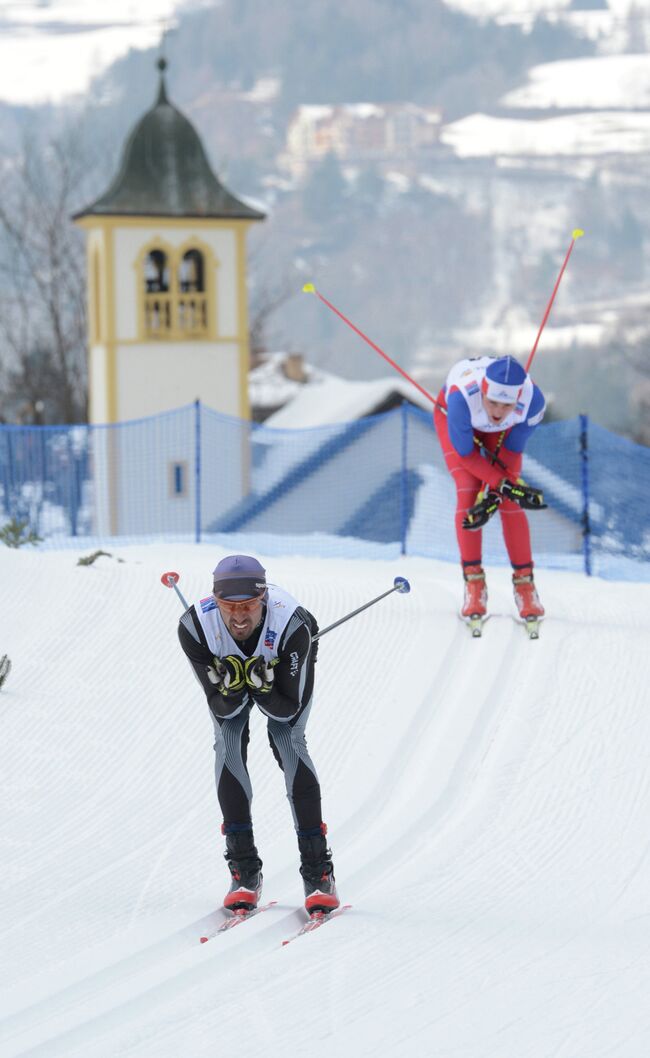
{"type": "Point", "coordinates": [526, 596]}
{"type": "Point", "coordinates": [475, 602]}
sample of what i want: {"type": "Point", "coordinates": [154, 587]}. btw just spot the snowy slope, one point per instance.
{"type": "Point", "coordinates": [51, 49]}
{"type": "Point", "coordinates": [601, 83]}
{"type": "Point", "coordinates": [487, 800]}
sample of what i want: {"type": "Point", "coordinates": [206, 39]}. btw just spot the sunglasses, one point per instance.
{"type": "Point", "coordinates": [239, 605]}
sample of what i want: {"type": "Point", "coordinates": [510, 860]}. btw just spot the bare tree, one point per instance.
{"type": "Point", "coordinates": [42, 293]}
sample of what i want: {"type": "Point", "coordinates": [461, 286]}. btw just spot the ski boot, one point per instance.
{"type": "Point", "coordinates": [526, 596]}
{"type": "Point", "coordinates": [245, 868]}
{"type": "Point", "coordinates": [475, 602]}
{"type": "Point", "coordinates": [317, 871]}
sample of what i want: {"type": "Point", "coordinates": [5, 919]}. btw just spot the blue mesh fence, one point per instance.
{"type": "Point", "coordinates": [375, 486]}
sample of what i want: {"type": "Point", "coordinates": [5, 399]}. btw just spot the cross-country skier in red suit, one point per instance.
{"type": "Point", "coordinates": [251, 645]}
{"type": "Point", "coordinates": [492, 401]}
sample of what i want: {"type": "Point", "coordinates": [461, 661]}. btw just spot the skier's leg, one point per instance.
{"type": "Point", "coordinates": [231, 774]}
{"type": "Point", "coordinates": [516, 533]}
{"type": "Point", "coordinates": [235, 796]}
{"type": "Point", "coordinates": [470, 541]}
{"type": "Point", "coordinates": [303, 791]}
{"type": "Point", "coordinates": [290, 750]}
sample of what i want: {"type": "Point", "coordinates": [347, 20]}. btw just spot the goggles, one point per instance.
{"type": "Point", "coordinates": [240, 605]}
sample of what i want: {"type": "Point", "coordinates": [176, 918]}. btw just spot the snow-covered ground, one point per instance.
{"type": "Point", "coordinates": [51, 49]}
{"type": "Point", "coordinates": [488, 804]}
{"type": "Point", "coordinates": [599, 83]}
{"type": "Point", "coordinates": [601, 133]}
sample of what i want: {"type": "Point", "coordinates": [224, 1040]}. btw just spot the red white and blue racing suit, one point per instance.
{"type": "Point", "coordinates": [459, 418]}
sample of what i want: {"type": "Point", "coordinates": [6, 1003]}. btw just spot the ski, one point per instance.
{"type": "Point", "coordinates": [317, 919]}
{"type": "Point", "coordinates": [235, 918]}
{"type": "Point", "coordinates": [532, 627]}
{"type": "Point", "coordinates": [475, 624]}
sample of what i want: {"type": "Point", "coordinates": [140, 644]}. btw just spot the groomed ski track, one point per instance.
{"type": "Point", "coordinates": [488, 803]}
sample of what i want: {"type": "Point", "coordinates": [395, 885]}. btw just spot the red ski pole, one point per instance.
{"type": "Point", "coordinates": [577, 233]}
{"type": "Point", "coordinates": [309, 288]}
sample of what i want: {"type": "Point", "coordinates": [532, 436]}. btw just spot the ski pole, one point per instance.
{"type": "Point", "coordinates": [309, 288]}
{"type": "Point", "coordinates": [170, 580]}
{"type": "Point", "coordinates": [577, 233]}
{"type": "Point", "coordinates": [400, 584]}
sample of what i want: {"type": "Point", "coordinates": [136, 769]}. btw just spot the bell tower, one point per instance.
{"type": "Point", "coordinates": [166, 243]}
{"type": "Point", "coordinates": [168, 322]}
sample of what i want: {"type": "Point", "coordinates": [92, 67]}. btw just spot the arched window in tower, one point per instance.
{"type": "Point", "coordinates": [157, 302]}
{"type": "Point", "coordinates": [192, 301]}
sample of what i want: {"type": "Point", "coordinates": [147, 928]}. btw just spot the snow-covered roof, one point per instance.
{"type": "Point", "coordinates": [327, 399]}
{"type": "Point", "coordinates": [269, 386]}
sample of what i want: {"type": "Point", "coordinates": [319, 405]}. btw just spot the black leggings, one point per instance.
{"type": "Point", "coordinates": [287, 740]}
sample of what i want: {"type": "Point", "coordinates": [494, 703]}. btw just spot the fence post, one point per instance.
{"type": "Point", "coordinates": [197, 471]}
{"type": "Point", "coordinates": [404, 479]}
{"type": "Point", "coordinates": [586, 524]}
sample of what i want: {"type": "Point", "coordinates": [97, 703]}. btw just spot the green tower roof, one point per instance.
{"type": "Point", "coordinates": [165, 172]}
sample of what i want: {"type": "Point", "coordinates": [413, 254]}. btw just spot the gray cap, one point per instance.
{"type": "Point", "coordinates": [239, 577]}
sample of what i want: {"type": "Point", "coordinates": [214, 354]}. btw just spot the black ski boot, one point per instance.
{"type": "Point", "coordinates": [246, 869]}
{"type": "Point", "coordinates": [317, 870]}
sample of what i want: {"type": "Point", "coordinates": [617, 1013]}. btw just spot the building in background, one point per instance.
{"type": "Point", "coordinates": [168, 316]}
{"type": "Point", "coordinates": [358, 133]}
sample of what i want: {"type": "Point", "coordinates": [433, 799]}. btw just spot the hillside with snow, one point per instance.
{"type": "Point", "coordinates": [487, 802]}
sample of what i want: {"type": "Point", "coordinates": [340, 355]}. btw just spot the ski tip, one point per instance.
{"type": "Point", "coordinates": [309, 288]}
{"type": "Point", "coordinates": [578, 233]}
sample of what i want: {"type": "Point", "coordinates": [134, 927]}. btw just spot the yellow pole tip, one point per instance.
{"type": "Point", "coordinates": [309, 288]}
{"type": "Point", "coordinates": [577, 232]}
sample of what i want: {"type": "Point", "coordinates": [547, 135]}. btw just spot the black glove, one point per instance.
{"type": "Point", "coordinates": [227, 674]}
{"type": "Point", "coordinates": [480, 514]}
{"type": "Point", "coordinates": [528, 498]}
{"type": "Point", "coordinates": [259, 674]}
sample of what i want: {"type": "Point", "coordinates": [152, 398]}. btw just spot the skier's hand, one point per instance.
{"type": "Point", "coordinates": [521, 493]}
{"type": "Point", "coordinates": [259, 674]}
{"type": "Point", "coordinates": [480, 514]}
{"type": "Point", "coordinates": [227, 674]}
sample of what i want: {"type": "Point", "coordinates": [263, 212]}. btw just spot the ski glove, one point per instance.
{"type": "Point", "coordinates": [227, 674]}
{"type": "Point", "coordinates": [480, 514]}
{"type": "Point", "coordinates": [259, 674]}
{"type": "Point", "coordinates": [528, 498]}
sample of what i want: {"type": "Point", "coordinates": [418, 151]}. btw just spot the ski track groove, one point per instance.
{"type": "Point", "coordinates": [502, 761]}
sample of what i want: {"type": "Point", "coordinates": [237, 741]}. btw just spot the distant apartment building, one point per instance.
{"type": "Point", "coordinates": [359, 132]}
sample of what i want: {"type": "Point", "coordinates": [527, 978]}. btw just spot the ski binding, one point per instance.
{"type": "Point", "coordinates": [475, 624]}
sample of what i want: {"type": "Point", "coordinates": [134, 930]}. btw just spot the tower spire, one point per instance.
{"type": "Point", "coordinates": [162, 90]}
